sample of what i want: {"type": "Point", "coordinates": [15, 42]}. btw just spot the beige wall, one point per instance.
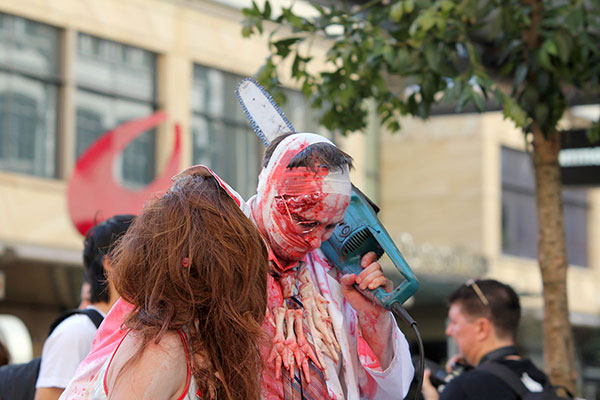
{"type": "Point", "coordinates": [34, 211]}
{"type": "Point", "coordinates": [430, 181]}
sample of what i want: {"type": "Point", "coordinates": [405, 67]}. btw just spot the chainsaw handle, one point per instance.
{"type": "Point", "coordinates": [378, 295]}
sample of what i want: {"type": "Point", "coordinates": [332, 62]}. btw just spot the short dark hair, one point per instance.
{"type": "Point", "coordinates": [4, 354]}
{"type": "Point", "coordinates": [99, 241]}
{"type": "Point", "coordinates": [313, 157]}
{"type": "Point", "coordinates": [503, 308]}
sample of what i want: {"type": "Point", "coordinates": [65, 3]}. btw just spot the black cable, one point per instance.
{"type": "Point", "coordinates": [400, 312]}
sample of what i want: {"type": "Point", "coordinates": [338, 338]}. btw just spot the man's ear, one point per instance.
{"type": "Point", "coordinates": [483, 328]}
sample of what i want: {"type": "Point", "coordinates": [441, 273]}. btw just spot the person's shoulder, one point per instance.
{"type": "Point", "coordinates": [169, 350]}
{"type": "Point", "coordinates": [525, 366]}
{"type": "Point", "coordinates": [171, 343]}
{"type": "Point", "coordinates": [71, 328]}
{"type": "Point", "coordinates": [75, 321]}
{"type": "Point", "coordinates": [161, 369]}
{"type": "Point", "coordinates": [476, 384]}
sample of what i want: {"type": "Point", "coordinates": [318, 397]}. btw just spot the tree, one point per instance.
{"type": "Point", "coordinates": [527, 56]}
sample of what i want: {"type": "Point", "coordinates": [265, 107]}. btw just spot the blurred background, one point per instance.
{"type": "Point", "coordinates": [456, 192]}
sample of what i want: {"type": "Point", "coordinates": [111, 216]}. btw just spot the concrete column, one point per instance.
{"type": "Point", "coordinates": [66, 121]}
{"type": "Point", "coordinates": [174, 75]}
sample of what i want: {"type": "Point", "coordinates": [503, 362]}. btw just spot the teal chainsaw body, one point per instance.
{"type": "Point", "coordinates": [360, 233]}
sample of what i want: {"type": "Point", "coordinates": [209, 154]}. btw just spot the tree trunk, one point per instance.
{"type": "Point", "coordinates": [552, 257]}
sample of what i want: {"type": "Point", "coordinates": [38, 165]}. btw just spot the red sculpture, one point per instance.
{"type": "Point", "coordinates": [93, 195]}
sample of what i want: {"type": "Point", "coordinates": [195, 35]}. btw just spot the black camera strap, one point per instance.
{"type": "Point", "coordinates": [499, 354]}
{"type": "Point", "coordinates": [507, 375]}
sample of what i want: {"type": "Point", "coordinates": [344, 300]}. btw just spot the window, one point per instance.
{"type": "Point", "coordinates": [116, 84]}
{"type": "Point", "coordinates": [29, 81]}
{"type": "Point", "coordinates": [221, 135]}
{"type": "Point", "coordinates": [519, 213]}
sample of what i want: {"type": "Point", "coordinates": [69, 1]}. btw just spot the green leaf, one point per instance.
{"type": "Point", "coordinates": [550, 47]}
{"type": "Point", "coordinates": [267, 10]}
{"type": "Point", "coordinates": [544, 59]}
{"type": "Point", "coordinates": [427, 22]}
{"type": "Point", "coordinates": [397, 11]}
{"type": "Point", "coordinates": [575, 20]}
{"type": "Point", "coordinates": [283, 46]}
{"type": "Point", "coordinates": [479, 103]}
{"type": "Point", "coordinates": [529, 98]}
{"type": "Point", "coordinates": [447, 6]}
{"type": "Point", "coordinates": [393, 126]}
{"type": "Point", "coordinates": [409, 6]}
{"type": "Point", "coordinates": [520, 75]}
{"type": "Point", "coordinates": [320, 9]}
{"type": "Point", "coordinates": [297, 66]}
{"type": "Point", "coordinates": [540, 113]}
{"type": "Point", "coordinates": [542, 81]}
{"type": "Point", "coordinates": [292, 18]}
{"type": "Point", "coordinates": [512, 111]}
{"type": "Point", "coordinates": [247, 29]}
{"type": "Point", "coordinates": [593, 133]}
{"type": "Point", "coordinates": [432, 57]}
{"type": "Point", "coordinates": [465, 96]}
{"type": "Point", "coordinates": [564, 43]}
{"type": "Point", "coordinates": [427, 89]}
{"type": "Point", "coordinates": [514, 44]}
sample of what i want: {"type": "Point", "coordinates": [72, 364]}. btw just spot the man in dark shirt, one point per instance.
{"type": "Point", "coordinates": [483, 320]}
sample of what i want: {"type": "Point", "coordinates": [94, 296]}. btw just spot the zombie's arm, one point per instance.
{"type": "Point", "coordinates": [390, 381]}
{"type": "Point", "coordinates": [382, 349]}
{"type": "Point", "coordinates": [375, 322]}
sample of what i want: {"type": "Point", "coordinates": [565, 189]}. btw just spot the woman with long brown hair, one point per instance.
{"type": "Point", "coordinates": [194, 267]}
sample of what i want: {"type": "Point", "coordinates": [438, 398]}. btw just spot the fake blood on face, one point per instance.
{"type": "Point", "coordinates": [302, 214]}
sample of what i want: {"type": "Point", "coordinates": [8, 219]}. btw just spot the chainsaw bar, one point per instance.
{"type": "Point", "coordinates": [267, 119]}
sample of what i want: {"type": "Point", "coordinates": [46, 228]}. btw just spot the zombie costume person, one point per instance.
{"type": "Point", "coordinates": [322, 347]}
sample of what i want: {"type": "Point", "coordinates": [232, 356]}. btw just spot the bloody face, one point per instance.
{"type": "Point", "coordinates": [300, 223]}
{"type": "Point", "coordinates": [299, 208]}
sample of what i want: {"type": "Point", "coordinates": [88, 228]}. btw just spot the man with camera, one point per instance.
{"type": "Point", "coordinates": [483, 320]}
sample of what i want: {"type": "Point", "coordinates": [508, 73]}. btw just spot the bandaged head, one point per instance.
{"type": "Point", "coordinates": [299, 207]}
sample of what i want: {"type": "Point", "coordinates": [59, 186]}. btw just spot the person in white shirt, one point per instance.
{"type": "Point", "coordinates": [72, 339]}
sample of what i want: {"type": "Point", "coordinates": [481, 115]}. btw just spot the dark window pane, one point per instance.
{"type": "Point", "coordinates": [517, 169]}
{"type": "Point", "coordinates": [27, 125]}
{"type": "Point", "coordinates": [519, 212]}
{"type": "Point", "coordinates": [221, 136]}
{"type": "Point", "coordinates": [28, 96]}
{"type": "Point", "coordinates": [519, 224]}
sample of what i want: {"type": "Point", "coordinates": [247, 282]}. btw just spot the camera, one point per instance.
{"type": "Point", "coordinates": [439, 376]}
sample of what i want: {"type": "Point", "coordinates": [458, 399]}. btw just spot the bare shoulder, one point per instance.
{"type": "Point", "coordinates": [160, 371]}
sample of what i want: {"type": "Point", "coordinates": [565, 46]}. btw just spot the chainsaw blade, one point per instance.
{"type": "Point", "coordinates": [266, 118]}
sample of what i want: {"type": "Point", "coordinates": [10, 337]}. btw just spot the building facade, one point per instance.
{"type": "Point", "coordinates": [456, 191]}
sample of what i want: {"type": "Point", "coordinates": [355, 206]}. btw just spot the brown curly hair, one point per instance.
{"type": "Point", "coordinates": [193, 261]}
